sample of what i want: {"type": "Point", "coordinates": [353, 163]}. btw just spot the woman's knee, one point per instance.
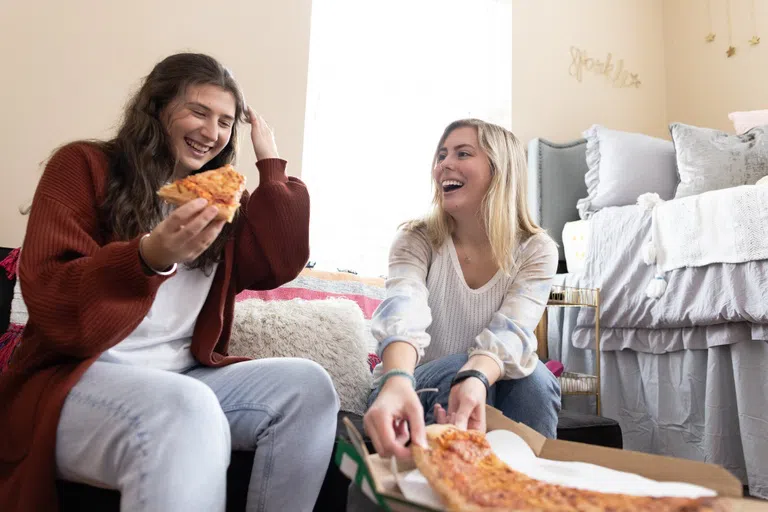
{"type": "Point", "coordinates": [191, 399]}
{"type": "Point", "coordinates": [533, 400]}
{"type": "Point", "coordinates": [543, 381]}
{"type": "Point", "coordinates": [315, 384]}
{"type": "Point", "coordinates": [195, 409]}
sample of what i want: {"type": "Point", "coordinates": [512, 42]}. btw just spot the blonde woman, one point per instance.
{"type": "Point", "coordinates": [467, 286]}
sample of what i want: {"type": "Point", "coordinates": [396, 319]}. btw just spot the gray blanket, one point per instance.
{"type": "Point", "coordinates": [719, 304]}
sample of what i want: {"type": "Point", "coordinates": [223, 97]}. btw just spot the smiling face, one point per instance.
{"type": "Point", "coordinates": [199, 125]}
{"type": "Point", "coordinates": [462, 172]}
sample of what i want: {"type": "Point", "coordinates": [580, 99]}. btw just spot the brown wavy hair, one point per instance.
{"type": "Point", "coordinates": [140, 156]}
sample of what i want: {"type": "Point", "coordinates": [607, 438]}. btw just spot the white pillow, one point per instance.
{"type": "Point", "coordinates": [330, 332]}
{"type": "Point", "coordinates": [576, 244]}
{"type": "Point", "coordinates": [745, 121]}
{"type": "Point", "coordinates": [623, 166]}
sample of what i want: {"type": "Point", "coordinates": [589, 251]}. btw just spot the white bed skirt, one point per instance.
{"type": "Point", "coordinates": [709, 405]}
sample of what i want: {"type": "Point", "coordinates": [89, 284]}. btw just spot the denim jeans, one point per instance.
{"type": "Point", "coordinates": [533, 400]}
{"type": "Point", "coordinates": [164, 439]}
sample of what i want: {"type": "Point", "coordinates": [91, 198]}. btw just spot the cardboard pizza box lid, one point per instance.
{"type": "Point", "coordinates": [378, 477]}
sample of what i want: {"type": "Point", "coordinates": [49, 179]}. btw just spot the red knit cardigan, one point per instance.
{"type": "Point", "coordinates": [86, 293]}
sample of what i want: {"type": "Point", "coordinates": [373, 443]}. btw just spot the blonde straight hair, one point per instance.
{"type": "Point", "coordinates": [504, 210]}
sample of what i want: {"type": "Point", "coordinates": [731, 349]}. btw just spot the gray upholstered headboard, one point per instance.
{"type": "Point", "coordinates": [555, 182]}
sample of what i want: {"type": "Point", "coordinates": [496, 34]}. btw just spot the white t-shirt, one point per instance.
{"type": "Point", "coordinates": [163, 339]}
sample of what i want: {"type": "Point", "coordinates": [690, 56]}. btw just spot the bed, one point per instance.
{"type": "Point", "coordinates": [685, 374]}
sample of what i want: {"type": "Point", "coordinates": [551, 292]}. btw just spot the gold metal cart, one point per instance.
{"type": "Point", "coordinates": [572, 383]}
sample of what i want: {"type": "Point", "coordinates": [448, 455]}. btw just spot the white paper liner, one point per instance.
{"type": "Point", "coordinates": [516, 453]}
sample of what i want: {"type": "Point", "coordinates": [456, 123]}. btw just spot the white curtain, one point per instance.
{"type": "Point", "coordinates": [385, 78]}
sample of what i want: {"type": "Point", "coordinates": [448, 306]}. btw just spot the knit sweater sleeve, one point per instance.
{"type": "Point", "coordinates": [272, 236]}
{"type": "Point", "coordinates": [84, 297]}
{"type": "Point", "coordinates": [510, 338]}
{"type": "Point", "coordinates": [404, 314]}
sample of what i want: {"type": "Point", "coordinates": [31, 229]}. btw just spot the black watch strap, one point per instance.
{"type": "Point", "coordinates": [465, 374]}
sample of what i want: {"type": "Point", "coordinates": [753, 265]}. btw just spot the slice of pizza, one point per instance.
{"type": "Point", "coordinates": [222, 187]}
{"type": "Point", "coordinates": [463, 470]}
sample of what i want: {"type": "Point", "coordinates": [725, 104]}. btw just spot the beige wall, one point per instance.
{"type": "Point", "coordinates": [703, 85]}
{"type": "Point", "coordinates": [70, 66]}
{"type": "Point", "coordinates": [548, 102]}
{"type": "Point", "coordinates": [72, 69]}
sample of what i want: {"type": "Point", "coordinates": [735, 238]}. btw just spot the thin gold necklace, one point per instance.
{"type": "Point", "coordinates": [465, 257]}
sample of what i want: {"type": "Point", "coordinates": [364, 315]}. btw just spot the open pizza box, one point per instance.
{"type": "Point", "coordinates": [384, 480]}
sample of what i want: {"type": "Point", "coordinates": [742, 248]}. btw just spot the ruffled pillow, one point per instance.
{"type": "Point", "coordinates": [623, 166]}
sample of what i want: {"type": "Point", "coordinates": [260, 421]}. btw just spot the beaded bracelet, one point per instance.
{"type": "Point", "coordinates": [396, 372]}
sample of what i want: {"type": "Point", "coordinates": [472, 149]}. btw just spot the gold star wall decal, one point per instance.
{"type": "Point", "coordinates": [710, 37]}
{"type": "Point", "coordinates": [754, 41]}
{"type": "Point", "coordinates": [731, 51]}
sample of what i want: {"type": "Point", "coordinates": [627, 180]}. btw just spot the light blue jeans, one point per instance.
{"type": "Point", "coordinates": [164, 439]}
{"type": "Point", "coordinates": [533, 400]}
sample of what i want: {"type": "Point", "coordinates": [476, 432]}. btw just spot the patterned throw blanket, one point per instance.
{"type": "Point", "coordinates": [10, 338]}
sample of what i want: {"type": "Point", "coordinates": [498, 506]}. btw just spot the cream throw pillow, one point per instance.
{"type": "Point", "coordinates": [330, 332]}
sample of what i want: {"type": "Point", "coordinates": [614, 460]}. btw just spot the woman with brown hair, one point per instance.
{"type": "Point", "coordinates": [122, 378]}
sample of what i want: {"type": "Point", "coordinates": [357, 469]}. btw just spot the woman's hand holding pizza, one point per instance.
{"type": "Point", "coordinates": [183, 235]}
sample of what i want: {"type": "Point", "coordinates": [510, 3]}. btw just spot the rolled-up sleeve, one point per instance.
{"type": "Point", "coordinates": [510, 336]}
{"type": "Point", "coordinates": [404, 315]}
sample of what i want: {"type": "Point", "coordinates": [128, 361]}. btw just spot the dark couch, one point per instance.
{"type": "Point", "coordinates": [333, 495]}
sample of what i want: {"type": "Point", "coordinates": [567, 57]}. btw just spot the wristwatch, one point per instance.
{"type": "Point", "coordinates": [465, 374]}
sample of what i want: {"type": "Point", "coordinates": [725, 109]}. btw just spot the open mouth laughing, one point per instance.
{"type": "Point", "coordinates": [197, 148]}
{"type": "Point", "coordinates": [451, 185]}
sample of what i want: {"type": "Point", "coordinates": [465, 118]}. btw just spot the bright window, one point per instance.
{"type": "Point", "coordinates": [385, 78]}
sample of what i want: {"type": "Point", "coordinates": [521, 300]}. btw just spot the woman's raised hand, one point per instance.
{"type": "Point", "coordinates": [262, 137]}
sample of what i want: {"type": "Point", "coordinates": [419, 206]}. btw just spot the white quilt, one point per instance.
{"type": "Point", "coordinates": [722, 226]}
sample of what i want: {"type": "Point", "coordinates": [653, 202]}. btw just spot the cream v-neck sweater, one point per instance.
{"type": "Point", "coordinates": [429, 304]}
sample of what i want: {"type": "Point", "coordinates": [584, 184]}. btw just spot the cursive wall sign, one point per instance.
{"type": "Point", "coordinates": [614, 72]}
